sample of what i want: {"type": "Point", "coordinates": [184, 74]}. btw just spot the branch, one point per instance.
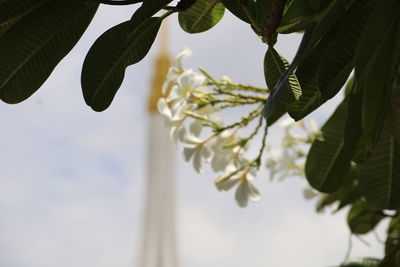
{"type": "Point", "coordinates": [118, 2]}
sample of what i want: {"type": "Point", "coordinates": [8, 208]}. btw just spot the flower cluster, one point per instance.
{"type": "Point", "coordinates": [194, 101]}
{"type": "Point", "coordinates": [289, 159]}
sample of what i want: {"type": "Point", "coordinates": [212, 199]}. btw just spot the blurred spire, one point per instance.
{"type": "Point", "coordinates": [161, 67]}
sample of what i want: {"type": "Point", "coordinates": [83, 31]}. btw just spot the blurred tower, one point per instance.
{"type": "Point", "coordinates": [159, 240]}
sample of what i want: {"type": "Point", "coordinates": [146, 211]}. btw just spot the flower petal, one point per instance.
{"type": "Point", "coordinates": [163, 108]}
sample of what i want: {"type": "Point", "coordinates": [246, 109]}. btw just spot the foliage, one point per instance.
{"type": "Point", "coordinates": [356, 163]}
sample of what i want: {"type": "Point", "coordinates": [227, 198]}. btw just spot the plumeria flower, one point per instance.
{"type": "Point", "coordinates": [223, 155]}
{"type": "Point", "coordinates": [187, 82]}
{"type": "Point", "coordinates": [282, 163]}
{"type": "Point", "coordinates": [173, 120]}
{"type": "Point", "coordinates": [197, 149]}
{"type": "Point", "coordinates": [242, 177]}
{"type": "Point", "coordinates": [176, 68]}
{"type": "Point", "coordinates": [208, 113]}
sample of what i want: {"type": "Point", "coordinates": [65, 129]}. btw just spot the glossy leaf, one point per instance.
{"type": "Point", "coordinates": [274, 67]}
{"type": "Point", "coordinates": [150, 8]}
{"type": "Point", "coordinates": [201, 16]}
{"type": "Point", "coordinates": [324, 71]}
{"type": "Point", "coordinates": [336, 62]}
{"type": "Point", "coordinates": [104, 66]}
{"type": "Point", "coordinates": [377, 28]}
{"type": "Point", "coordinates": [347, 193]}
{"type": "Point", "coordinates": [363, 218]}
{"type": "Point", "coordinates": [377, 89]}
{"type": "Point", "coordinates": [36, 43]}
{"type": "Point", "coordinates": [354, 144]}
{"type": "Point", "coordinates": [392, 243]}
{"type": "Point", "coordinates": [11, 9]}
{"type": "Point", "coordinates": [239, 10]}
{"type": "Point", "coordinates": [298, 15]}
{"type": "Point", "coordinates": [262, 8]}
{"type": "Point", "coordinates": [379, 176]}
{"type": "Point", "coordinates": [327, 163]}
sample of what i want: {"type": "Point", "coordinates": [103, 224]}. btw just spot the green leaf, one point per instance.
{"type": "Point", "coordinates": [119, 47]}
{"type": "Point", "coordinates": [354, 144]}
{"type": "Point", "coordinates": [347, 193]}
{"type": "Point", "coordinates": [379, 176]}
{"type": "Point", "coordinates": [376, 30]}
{"type": "Point", "coordinates": [297, 17]}
{"type": "Point", "coordinates": [274, 67]}
{"type": "Point", "coordinates": [336, 63]}
{"type": "Point", "coordinates": [362, 218]}
{"type": "Point", "coordinates": [366, 262]}
{"type": "Point", "coordinates": [377, 87]}
{"type": "Point", "coordinates": [239, 10]}
{"type": "Point", "coordinates": [391, 260]}
{"type": "Point", "coordinates": [11, 9]}
{"type": "Point", "coordinates": [324, 68]}
{"type": "Point", "coordinates": [327, 162]}
{"type": "Point", "coordinates": [201, 16]}
{"type": "Point", "coordinates": [36, 43]}
{"type": "Point", "coordinates": [392, 243]}
{"type": "Point", "coordinates": [150, 8]}
{"type": "Point", "coordinates": [306, 73]}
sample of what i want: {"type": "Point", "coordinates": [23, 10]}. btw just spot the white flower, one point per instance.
{"type": "Point", "coordinates": [187, 82]}
{"type": "Point", "coordinates": [283, 163]}
{"type": "Point", "coordinates": [223, 155]}
{"type": "Point", "coordinates": [198, 150]}
{"type": "Point", "coordinates": [208, 113]}
{"type": "Point", "coordinates": [176, 68]}
{"type": "Point", "coordinates": [173, 120]}
{"type": "Point", "coordinates": [242, 177]}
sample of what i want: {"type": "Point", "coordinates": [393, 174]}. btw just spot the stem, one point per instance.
{"type": "Point", "coordinates": [243, 122]}
{"type": "Point", "coordinates": [254, 133]}
{"type": "Point", "coordinates": [242, 96]}
{"type": "Point", "coordinates": [243, 87]}
{"type": "Point", "coordinates": [258, 159]}
{"type": "Point", "coordinates": [202, 118]}
{"type": "Point", "coordinates": [118, 3]}
{"type": "Point", "coordinates": [233, 100]}
{"type": "Point", "coordinates": [211, 78]}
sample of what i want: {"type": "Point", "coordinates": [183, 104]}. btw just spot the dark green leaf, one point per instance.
{"type": "Point", "coordinates": [298, 15]}
{"type": "Point", "coordinates": [347, 193]}
{"type": "Point", "coordinates": [363, 218]}
{"type": "Point", "coordinates": [36, 43]}
{"type": "Point", "coordinates": [392, 243]}
{"type": "Point", "coordinates": [327, 163]}
{"type": "Point", "coordinates": [336, 62]}
{"type": "Point", "coordinates": [11, 9]}
{"type": "Point", "coordinates": [377, 89]}
{"type": "Point", "coordinates": [274, 67]}
{"type": "Point", "coordinates": [376, 30]}
{"type": "Point", "coordinates": [354, 144]}
{"type": "Point", "coordinates": [262, 8]}
{"type": "Point", "coordinates": [239, 10]}
{"type": "Point", "coordinates": [379, 176]}
{"type": "Point", "coordinates": [104, 67]}
{"type": "Point", "coordinates": [201, 16]}
{"type": "Point", "coordinates": [151, 7]}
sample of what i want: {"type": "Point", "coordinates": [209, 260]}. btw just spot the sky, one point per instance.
{"type": "Point", "coordinates": [72, 180]}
